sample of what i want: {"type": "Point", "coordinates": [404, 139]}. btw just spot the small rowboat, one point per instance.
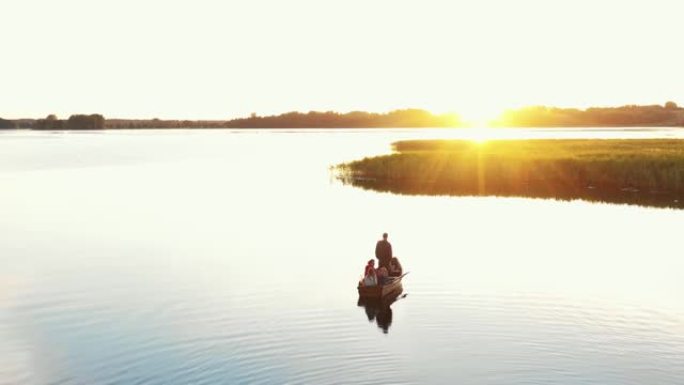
{"type": "Point", "coordinates": [392, 285]}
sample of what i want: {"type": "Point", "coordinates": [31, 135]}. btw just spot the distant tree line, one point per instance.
{"type": "Point", "coordinates": [540, 116]}
{"type": "Point", "coordinates": [330, 119]}
{"type": "Point", "coordinates": [313, 119]}
{"type": "Point", "coordinates": [75, 122]}
{"type": "Point", "coordinates": [5, 124]}
{"type": "Point", "coordinates": [537, 116]}
{"type": "Point", "coordinates": [159, 123]}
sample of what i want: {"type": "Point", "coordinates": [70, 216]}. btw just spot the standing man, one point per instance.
{"type": "Point", "coordinates": [383, 252]}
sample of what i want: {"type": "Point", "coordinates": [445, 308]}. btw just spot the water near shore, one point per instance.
{"type": "Point", "coordinates": [176, 257]}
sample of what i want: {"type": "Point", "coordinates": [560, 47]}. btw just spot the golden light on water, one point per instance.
{"type": "Point", "coordinates": [476, 134]}
{"type": "Point", "coordinates": [481, 134]}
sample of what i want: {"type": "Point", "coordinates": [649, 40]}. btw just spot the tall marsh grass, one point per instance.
{"type": "Point", "coordinates": [647, 172]}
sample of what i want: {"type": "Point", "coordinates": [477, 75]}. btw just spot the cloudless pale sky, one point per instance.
{"type": "Point", "coordinates": [206, 59]}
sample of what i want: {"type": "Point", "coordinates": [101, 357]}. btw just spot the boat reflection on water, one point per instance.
{"type": "Point", "coordinates": [379, 310]}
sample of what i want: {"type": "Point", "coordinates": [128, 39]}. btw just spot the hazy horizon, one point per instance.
{"type": "Point", "coordinates": [305, 111]}
{"type": "Point", "coordinates": [215, 61]}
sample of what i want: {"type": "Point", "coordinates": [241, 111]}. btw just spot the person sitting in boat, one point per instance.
{"type": "Point", "coordinates": [383, 252]}
{"type": "Point", "coordinates": [370, 277]}
{"type": "Point", "coordinates": [382, 275]}
{"type": "Point", "coordinates": [395, 268]}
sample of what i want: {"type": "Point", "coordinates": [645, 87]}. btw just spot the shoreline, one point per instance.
{"type": "Point", "coordinates": [458, 129]}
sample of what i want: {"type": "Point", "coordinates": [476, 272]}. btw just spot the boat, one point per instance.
{"type": "Point", "coordinates": [392, 285]}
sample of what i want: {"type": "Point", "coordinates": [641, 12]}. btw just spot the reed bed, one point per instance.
{"type": "Point", "coordinates": [649, 171]}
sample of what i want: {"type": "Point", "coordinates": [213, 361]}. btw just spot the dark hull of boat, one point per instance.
{"type": "Point", "coordinates": [380, 291]}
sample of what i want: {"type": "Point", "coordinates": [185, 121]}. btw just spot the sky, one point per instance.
{"type": "Point", "coordinates": [205, 59]}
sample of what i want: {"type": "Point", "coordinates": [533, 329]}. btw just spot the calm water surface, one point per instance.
{"type": "Point", "coordinates": [223, 257]}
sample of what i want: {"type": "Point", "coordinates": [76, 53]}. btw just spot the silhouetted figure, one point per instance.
{"type": "Point", "coordinates": [395, 268]}
{"type": "Point", "coordinates": [370, 277]}
{"type": "Point", "coordinates": [383, 252]}
{"type": "Point", "coordinates": [382, 273]}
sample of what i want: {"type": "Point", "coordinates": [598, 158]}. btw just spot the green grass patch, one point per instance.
{"type": "Point", "coordinates": [647, 172]}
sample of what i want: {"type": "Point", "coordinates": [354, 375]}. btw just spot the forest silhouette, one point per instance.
{"type": "Point", "coordinates": [632, 115]}
{"type": "Point", "coordinates": [669, 114]}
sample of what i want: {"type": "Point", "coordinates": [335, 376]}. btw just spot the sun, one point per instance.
{"type": "Point", "coordinates": [480, 116]}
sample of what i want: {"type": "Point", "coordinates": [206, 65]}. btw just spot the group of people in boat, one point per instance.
{"type": "Point", "coordinates": [388, 265]}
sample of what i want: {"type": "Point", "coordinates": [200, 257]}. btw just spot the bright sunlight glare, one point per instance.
{"type": "Point", "coordinates": [480, 116]}
{"type": "Point", "coordinates": [480, 134]}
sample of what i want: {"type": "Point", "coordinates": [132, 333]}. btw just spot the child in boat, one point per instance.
{"type": "Point", "coordinates": [395, 268]}
{"type": "Point", "coordinates": [382, 275]}
{"type": "Point", "coordinates": [370, 277]}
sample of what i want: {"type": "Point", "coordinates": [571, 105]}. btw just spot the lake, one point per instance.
{"type": "Point", "coordinates": [231, 257]}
